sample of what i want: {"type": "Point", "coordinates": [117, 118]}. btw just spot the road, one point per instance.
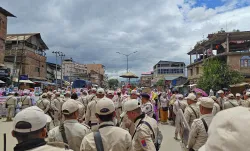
{"type": "Point", "coordinates": [168, 144]}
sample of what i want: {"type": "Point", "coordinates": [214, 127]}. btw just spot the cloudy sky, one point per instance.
{"type": "Point", "coordinates": [92, 31]}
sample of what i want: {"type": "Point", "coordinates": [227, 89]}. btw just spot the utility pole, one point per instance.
{"type": "Point", "coordinates": [127, 55]}
{"type": "Point", "coordinates": [14, 64]}
{"type": "Point", "coordinates": [62, 56]}
{"type": "Point", "coordinates": [21, 64]}
{"type": "Point", "coordinates": [56, 52]}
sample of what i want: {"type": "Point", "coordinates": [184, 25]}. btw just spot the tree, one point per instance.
{"type": "Point", "coordinates": [160, 82]}
{"type": "Point", "coordinates": [113, 83]}
{"type": "Point", "coordinates": [217, 75]}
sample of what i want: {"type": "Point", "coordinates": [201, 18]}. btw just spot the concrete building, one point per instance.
{"type": "Point", "coordinates": [27, 53]}
{"type": "Point", "coordinates": [96, 67]}
{"type": "Point", "coordinates": [51, 72]}
{"type": "Point", "coordinates": [231, 47]}
{"type": "Point", "coordinates": [146, 78]}
{"type": "Point", "coordinates": [73, 70]}
{"type": "Point", "coordinates": [4, 71]}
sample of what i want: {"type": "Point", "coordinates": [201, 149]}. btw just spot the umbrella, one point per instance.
{"type": "Point", "coordinates": [129, 75]}
{"type": "Point", "coordinates": [196, 90]}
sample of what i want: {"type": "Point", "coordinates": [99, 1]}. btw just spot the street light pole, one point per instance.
{"type": "Point", "coordinates": [61, 55]}
{"type": "Point", "coordinates": [127, 55]}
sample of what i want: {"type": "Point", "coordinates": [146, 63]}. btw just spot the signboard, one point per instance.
{"type": "Point", "coordinates": [4, 72]}
{"type": "Point", "coordinates": [24, 77]}
{"type": "Point", "coordinates": [37, 90]}
{"type": "Point", "coordinates": [15, 89]}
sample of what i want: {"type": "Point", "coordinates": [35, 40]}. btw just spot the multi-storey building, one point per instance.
{"type": "Point", "coordinates": [27, 53]}
{"type": "Point", "coordinates": [4, 71]}
{"type": "Point", "coordinates": [145, 79]}
{"type": "Point", "coordinates": [230, 47]}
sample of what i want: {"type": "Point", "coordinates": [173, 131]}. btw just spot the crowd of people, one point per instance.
{"type": "Point", "coordinates": [102, 120]}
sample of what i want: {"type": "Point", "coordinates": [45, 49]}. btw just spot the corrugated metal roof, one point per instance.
{"type": "Point", "coordinates": [19, 38]}
{"type": "Point", "coordinates": [6, 13]}
{"type": "Point", "coordinates": [170, 78]}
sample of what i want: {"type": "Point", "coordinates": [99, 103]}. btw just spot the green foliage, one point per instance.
{"type": "Point", "coordinates": [113, 83]}
{"type": "Point", "coordinates": [160, 82]}
{"type": "Point", "coordinates": [218, 75]}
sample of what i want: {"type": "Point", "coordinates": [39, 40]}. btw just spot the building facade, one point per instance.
{"type": "Point", "coordinates": [27, 52]}
{"type": "Point", "coordinates": [73, 70]}
{"type": "Point", "coordinates": [52, 73]}
{"type": "Point", "coordinates": [230, 47]}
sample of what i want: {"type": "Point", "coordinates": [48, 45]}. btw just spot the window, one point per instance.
{"type": "Point", "coordinates": [197, 70]}
{"type": "Point", "coordinates": [37, 69]}
{"type": "Point", "coordinates": [159, 71]}
{"type": "Point", "coordinates": [245, 62]}
{"type": "Point", "coordinates": [191, 72]}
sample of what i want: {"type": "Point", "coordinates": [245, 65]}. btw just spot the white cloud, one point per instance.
{"type": "Point", "coordinates": [93, 30]}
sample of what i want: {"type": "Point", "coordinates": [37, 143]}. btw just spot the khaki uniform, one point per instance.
{"type": "Point", "coordinates": [127, 124]}
{"type": "Point", "coordinates": [221, 102]}
{"type": "Point", "coordinates": [119, 107]}
{"type": "Point", "coordinates": [247, 103]}
{"type": "Point", "coordinates": [26, 102]}
{"type": "Point", "coordinates": [113, 139]}
{"type": "Point", "coordinates": [75, 132]}
{"type": "Point", "coordinates": [90, 115]}
{"type": "Point", "coordinates": [44, 104]}
{"type": "Point", "coordinates": [230, 104]}
{"type": "Point", "coordinates": [240, 102]}
{"type": "Point", "coordinates": [81, 110]}
{"type": "Point", "coordinates": [148, 109]}
{"type": "Point", "coordinates": [143, 140]}
{"type": "Point", "coordinates": [57, 146]}
{"type": "Point", "coordinates": [11, 101]}
{"type": "Point", "coordinates": [66, 99]}
{"type": "Point", "coordinates": [198, 135]}
{"type": "Point", "coordinates": [57, 112]}
{"type": "Point", "coordinates": [91, 98]}
{"type": "Point", "coordinates": [178, 105]}
{"type": "Point", "coordinates": [216, 109]}
{"type": "Point", "coordinates": [191, 113]}
{"type": "Point", "coordinates": [83, 100]}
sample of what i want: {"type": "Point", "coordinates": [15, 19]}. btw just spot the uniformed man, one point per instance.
{"type": "Point", "coordinates": [119, 105]}
{"type": "Point", "coordinates": [198, 133]}
{"type": "Point", "coordinates": [112, 138]}
{"type": "Point", "coordinates": [92, 95]}
{"type": "Point", "coordinates": [144, 136]}
{"type": "Point", "coordinates": [70, 132]}
{"type": "Point", "coordinates": [231, 102]}
{"type": "Point", "coordinates": [43, 103]}
{"type": "Point", "coordinates": [221, 99]}
{"type": "Point", "coordinates": [247, 100]}
{"type": "Point", "coordinates": [229, 131]}
{"type": "Point", "coordinates": [67, 96]}
{"type": "Point", "coordinates": [147, 106]}
{"type": "Point", "coordinates": [90, 118]}
{"type": "Point", "coordinates": [198, 95]}
{"type": "Point", "coordinates": [57, 103]}
{"type": "Point", "coordinates": [11, 103]}
{"type": "Point", "coordinates": [110, 94]}
{"type": "Point", "coordinates": [83, 99]}
{"type": "Point", "coordinates": [30, 131]}
{"type": "Point", "coordinates": [179, 104]}
{"type": "Point", "coordinates": [216, 107]}
{"type": "Point", "coordinates": [26, 101]}
{"type": "Point", "coordinates": [239, 100]}
{"type": "Point", "coordinates": [191, 112]}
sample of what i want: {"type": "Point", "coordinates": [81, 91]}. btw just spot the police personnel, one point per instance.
{"type": "Point", "coordinates": [119, 105]}
{"type": "Point", "coordinates": [26, 101]}
{"type": "Point", "coordinates": [90, 118]}
{"type": "Point", "coordinates": [216, 107]}
{"type": "Point", "coordinates": [231, 102]}
{"type": "Point", "coordinates": [192, 111]}
{"type": "Point", "coordinates": [111, 138]}
{"type": "Point", "coordinates": [247, 100]}
{"type": "Point", "coordinates": [92, 96]}
{"type": "Point", "coordinates": [56, 102]}
{"type": "Point", "coordinates": [11, 103]}
{"type": "Point", "coordinates": [198, 132]}
{"type": "Point", "coordinates": [239, 100]}
{"type": "Point", "coordinates": [143, 138]}
{"type": "Point", "coordinates": [30, 132]}
{"type": "Point", "coordinates": [67, 96]}
{"type": "Point", "coordinates": [147, 106]}
{"type": "Point", "coordinates": [221, 99]}
{"type": "Point", "coordinates": [70, 132]}
{"type": "Point", "coordinates": [44, 103]}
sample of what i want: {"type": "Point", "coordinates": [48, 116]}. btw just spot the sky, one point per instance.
{"type": "Point", "coordinates": [92, 31]}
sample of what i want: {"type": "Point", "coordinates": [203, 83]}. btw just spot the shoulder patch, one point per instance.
{"type": "Point", "coordinates": [143, 143]}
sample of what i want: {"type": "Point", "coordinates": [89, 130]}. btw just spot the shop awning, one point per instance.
{"type": "Point", "coordinates": [239, 85]}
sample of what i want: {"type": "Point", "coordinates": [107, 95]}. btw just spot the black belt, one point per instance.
{"type": "Point", "coordinates": [93, 124]}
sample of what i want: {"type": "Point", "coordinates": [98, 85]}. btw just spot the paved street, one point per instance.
{"type": "Point", "coordinates": [169, 144]}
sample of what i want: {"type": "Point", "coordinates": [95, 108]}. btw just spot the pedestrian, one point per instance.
{"type": "Point", "coordinates": [30, 131]}
{"type": "Point", "coordinates": [164, 108]}
{"type": "Point", "coordinates": [26, 101]}
{"type": "Point", "coordinates": [71, 132]}
{"type": "Point", "coordinates": [90, 118]}
{"type": "Point", "coordinates": [83, 99]}
{"type": "Point", "coordinates": [92, 95]}
{"type": "Point", "coordinates": [178, 106]}
{"type": "Point", "coordinates": [57, 104]}
{"type": "Point", "coordinates": [147, 106]}
{"type": "Point", "coordinates": [216, 107]}
{"type": "Point", "coordinates": [67, 96]}
{"type": "Point", "coordinates": [247, 100]}
{"type": "Point", "coordinates": [221, 99]}
{"type": "Point", "coordinates": [191, 112]}
{"type": "Point", "coordinates": [110, 94]}
{"type": "Point", "coordinates": [229, 131]}
{"type": "Point", "coordinates": [146, 131]}
{"type": "Point", "coordinates": [119, 105]}
{"type": "Point", "coordinates": [11, 103]}
{"type": "Point", "coordinates": [198, 132]}
{"type": "Point", "coordinates": [231, 102]}
{"type": "Point", "coordinates": [81, 110]}
{"type": "Point", "coordinates": [239, 100]}
{"type": "Point", "coordinates": [108, 136]}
